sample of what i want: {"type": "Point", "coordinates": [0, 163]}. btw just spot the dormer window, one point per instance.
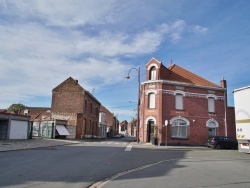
{"type": "Point", "coordinates": [153, 73]}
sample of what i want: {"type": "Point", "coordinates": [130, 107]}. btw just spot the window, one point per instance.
{"type": "Point", "coordinates": [151, 100]}
{"type": "Point", "coordinates": [211, 128]}
{"type": "Point", "coordinates": [91, 108]}
{"type": "Point", "coordinates": [179, 102]}
{"type": "Point", "coordinates": [211, 104]}
{"type": "Point", "coordinates": [153, 73]}
{"type": "Point", "coordinates": [179, 129]}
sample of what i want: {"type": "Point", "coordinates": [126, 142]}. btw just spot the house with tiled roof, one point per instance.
{"type": "Point", "coordinates": [71, 102]}
{"type": "Point", "coordinates": [179, 107]}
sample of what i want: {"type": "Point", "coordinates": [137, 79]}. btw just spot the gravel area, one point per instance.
{"type": "Point", "coordinates": [9, 145]}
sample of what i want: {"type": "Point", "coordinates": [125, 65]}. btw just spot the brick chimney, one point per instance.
{"type": "Point", "coordinates": [223, 83]}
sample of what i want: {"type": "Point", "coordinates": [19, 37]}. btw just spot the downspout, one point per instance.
{"type": "Point", "coordinates": [224, 85]}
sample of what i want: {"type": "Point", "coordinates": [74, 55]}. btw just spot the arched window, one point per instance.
{"type": "Point", "coordinates": [179, 127]}
{"type": "Point", "coordinates": [151, 100]}
{"type": "Point", "coordinates": [153, 73]}
{"type": "Point", "coordinates": [212, 124]}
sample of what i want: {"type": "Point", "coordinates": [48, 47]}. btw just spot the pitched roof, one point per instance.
{"type": "Point", "coordinates": [69, 80]}
{"type": "Point", "coordinates": [180, 74]}
{"type": "Point", "coordinates": [35, 110]}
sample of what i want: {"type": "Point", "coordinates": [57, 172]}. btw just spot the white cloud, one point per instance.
{"type": "Point", "coordinates": [200, 29]}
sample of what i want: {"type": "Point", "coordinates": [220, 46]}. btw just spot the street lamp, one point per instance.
{"type": "Point", "coordinates": [138, 105]}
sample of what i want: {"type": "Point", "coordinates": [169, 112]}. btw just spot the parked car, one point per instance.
{"type": "Point", "coordinates": [118, 136]}
{"type": "Point", "coordinates": [218, 142]}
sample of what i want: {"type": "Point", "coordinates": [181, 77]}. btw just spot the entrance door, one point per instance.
{"type": "Point", "coordinates": [150, 131]}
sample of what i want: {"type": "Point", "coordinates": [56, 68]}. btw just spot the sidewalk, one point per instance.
{"type": "Point", "coordinates": [10, 145]}
{"type": "Point", "coordinates": [149, 145]}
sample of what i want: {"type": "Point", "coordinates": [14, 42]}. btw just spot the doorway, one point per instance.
{"type": "Point", "coordinates": [150, 130]}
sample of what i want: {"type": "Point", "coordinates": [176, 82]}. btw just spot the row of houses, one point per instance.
{"type": "Point", "coordinates": [74, 114]}
{"type": "Point", "coordinates": [177, 107]}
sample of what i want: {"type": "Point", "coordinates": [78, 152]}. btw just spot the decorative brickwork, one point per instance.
{"type": "Point", "coordinates": [191, 125]}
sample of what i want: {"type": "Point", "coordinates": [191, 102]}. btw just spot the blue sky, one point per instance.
{"type": "Point", "coordinates": [43, 42]}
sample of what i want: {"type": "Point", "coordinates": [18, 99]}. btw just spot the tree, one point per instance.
{"type": "Point", "coordinates": [16, 107]}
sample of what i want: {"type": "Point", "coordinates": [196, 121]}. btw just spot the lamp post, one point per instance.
{"type": "Point", "coordinates": [138, 105]}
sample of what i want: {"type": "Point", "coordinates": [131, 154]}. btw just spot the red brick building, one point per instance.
{"type": "Point", "coordinates": [112, 122]}
{"type": "Point", "coordinates": [179, 107]}
{"type": "Point", "coordinates": [76, 105]}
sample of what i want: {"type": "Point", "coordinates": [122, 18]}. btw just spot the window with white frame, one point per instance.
{"type": "Point", "coordinates": [153, 73]}
{"type": "Point", "coordinates": [179, 129]}
{"type": "Point", "coordinates": [211, 104]}
{"type": "Point", "coordinates": [179, 101]}
{"type": "Point", "coordinates": [151, 100]}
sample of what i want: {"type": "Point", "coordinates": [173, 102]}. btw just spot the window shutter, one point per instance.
{"type": "Point", "coordinates": [153, 74]}
{"type": "Point", "coordinates": [210, 104]}
{"type": "Point", "coordinates": [151, 100]}
{"type": "Point", "coordinates": [179, 102]}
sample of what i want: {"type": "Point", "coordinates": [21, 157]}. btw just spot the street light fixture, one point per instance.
{"type": "Point", "coordinates": [138, 105]}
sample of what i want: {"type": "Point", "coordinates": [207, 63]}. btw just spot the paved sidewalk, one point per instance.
{"type": "Point", "coordinates": [10, 145]}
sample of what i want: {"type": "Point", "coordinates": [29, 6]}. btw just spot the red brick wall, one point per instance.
{"type": "Point", "coordinates": [68, 99]}
{"type": "Point", "coordinates": [231, 127]}
{"type": "Point", "coordinates": [195, 110]}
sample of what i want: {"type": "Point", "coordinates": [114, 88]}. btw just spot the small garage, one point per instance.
{"type": "Point", "coordinates": [14, 126]}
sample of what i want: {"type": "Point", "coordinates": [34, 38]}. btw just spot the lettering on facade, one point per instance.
{"type": "Point", "coordinates": [212, 115]}
{"type": "Point", "coordinates": [211, 91]}
{"type": "Point", "coordinates": [179, 88]}
{"type": "Point", "coordinates": [187, 94]}
{"type": "Point", "coordinates": [151, 86]}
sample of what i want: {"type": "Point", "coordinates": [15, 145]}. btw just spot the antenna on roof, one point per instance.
{"type": "Point", "coordinates": [171, 61]}
{"type": "Point", "coordinates": [93, 90]}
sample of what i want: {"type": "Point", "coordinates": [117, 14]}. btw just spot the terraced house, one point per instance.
{"type": "Point", "coordinates": [73, 103]}
{"type": "Point", "coordinates": [179, 107]}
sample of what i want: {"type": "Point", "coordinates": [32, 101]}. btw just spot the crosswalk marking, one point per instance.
{"type": "Point", "coordinates": [128, 148]}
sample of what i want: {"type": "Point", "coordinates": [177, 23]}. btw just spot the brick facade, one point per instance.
{"type": "Point", "coordinates": [73, 103]}
{"type": "Point", "coordinates": [195, 91]}
{"type": "Point", "coordinates": [112, 122]}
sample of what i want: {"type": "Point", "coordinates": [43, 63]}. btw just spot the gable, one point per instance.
{"type": "Point", "coordinates": [69, 85]}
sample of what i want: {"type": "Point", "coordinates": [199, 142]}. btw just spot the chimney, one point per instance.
{"type": "Point", "coordinates": [223, 83]}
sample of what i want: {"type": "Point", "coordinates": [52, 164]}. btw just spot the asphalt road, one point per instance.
{"type": "Point", "coordinates": [110, 164]}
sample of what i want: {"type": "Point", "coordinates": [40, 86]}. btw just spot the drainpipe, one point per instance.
{"type": "Point", "coordinates": [224, 85]}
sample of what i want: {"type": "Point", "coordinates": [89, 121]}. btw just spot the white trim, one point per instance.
{"type": "Point", "coordinates": [151, 91]}
{"type": "Point", "coordinates": [211, 96]}
{"type": "Point", "coordinates": [184, 84]}
{"type": "Point", "coordinates": [150, 118]}
{"type": "Point", "coordinates": [153, 65]}
{"type": "Point", "coordinates": [181, 118]}
{"type": "Point", "coordinates": [212, 120]}
{"type": "Point", "coordinates": [179, 92]}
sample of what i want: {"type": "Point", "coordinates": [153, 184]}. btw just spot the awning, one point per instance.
{"type": "Point", "coordinates": [62, 130]}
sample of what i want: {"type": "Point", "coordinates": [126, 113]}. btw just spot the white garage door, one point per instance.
{"type": "Point", "coordinates": [18, 129]}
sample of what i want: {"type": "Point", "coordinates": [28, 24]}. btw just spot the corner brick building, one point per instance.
{"type": "Point", "coordinates": [181, 108]}
{"type": "Point", "coordinates": [76, 105]}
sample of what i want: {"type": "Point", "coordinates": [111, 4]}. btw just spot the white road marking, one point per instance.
{"type": "Point", "coordinates": [128, 148]}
